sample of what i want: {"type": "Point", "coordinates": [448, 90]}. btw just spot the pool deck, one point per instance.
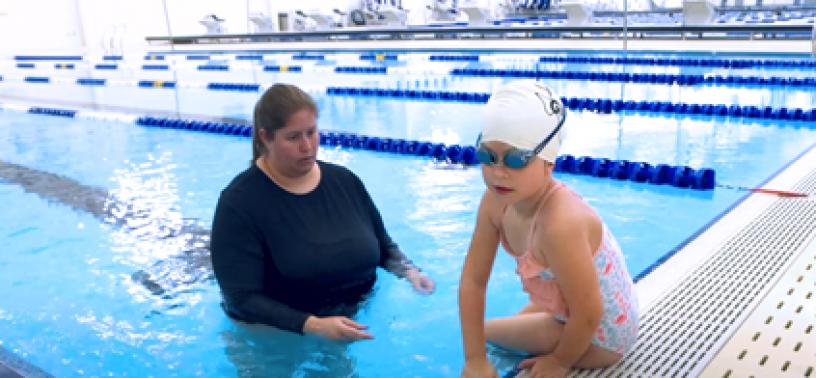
{"type": "Point", "coordinates": [740, 299]}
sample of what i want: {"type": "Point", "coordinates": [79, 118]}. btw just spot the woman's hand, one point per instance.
{"type": "Point", "coordinates": [338, 328]}
{"type": "Point", "coordinates": [479, 369]}
{"type": "Point", "coordinates": [420, 281]}
{"type": "Point", "coordinates": [545, 366]}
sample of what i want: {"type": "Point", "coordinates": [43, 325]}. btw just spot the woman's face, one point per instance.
{"type": "Point", "coordinates": [513, 185]}
{"type": "Point", "coordinates": [293, 148]}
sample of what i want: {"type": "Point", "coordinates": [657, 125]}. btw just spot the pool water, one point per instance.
{"type": "Point", "coordinates": [71, 307]}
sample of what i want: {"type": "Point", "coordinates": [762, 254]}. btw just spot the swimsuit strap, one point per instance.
{"type": "Point", "coordinates": [556, 185]}
{"type": "Point", "coordinates": [503, 240]}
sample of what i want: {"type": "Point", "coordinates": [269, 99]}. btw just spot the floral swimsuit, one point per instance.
{"type": "Point", "coordinates": [619, 324]}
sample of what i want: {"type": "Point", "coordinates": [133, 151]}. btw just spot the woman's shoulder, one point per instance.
{"type": "Point", "coordinates": [336, 172]}
{"type": "Point", "coordinates": [242, 183]}
{"type": "Point", "coordinates": [334, 169]}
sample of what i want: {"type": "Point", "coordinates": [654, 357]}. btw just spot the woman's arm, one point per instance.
{"type": "Point", "coordinates": [472, 286]}
{"type": "Point", "coordinates": [392, 258]}
{"type": "Point", "coordinates": [568, 247]}
{"type": "Point", "coordinates": [237, 258]}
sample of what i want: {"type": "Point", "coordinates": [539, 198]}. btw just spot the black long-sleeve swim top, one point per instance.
{"type": "Point", "coordinates": [280, 257]}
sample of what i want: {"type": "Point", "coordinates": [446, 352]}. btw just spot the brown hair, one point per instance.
{"type": "Point", "coordinates": [272, 111]}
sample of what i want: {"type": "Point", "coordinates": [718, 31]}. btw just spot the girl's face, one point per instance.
{"type": "Point", "coordinates": [514, 185]}
{"type": "Point", "coordinates": [293, 148]}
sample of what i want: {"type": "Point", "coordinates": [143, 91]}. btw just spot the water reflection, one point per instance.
{"type": "Point", "coordinates": [171, 250]}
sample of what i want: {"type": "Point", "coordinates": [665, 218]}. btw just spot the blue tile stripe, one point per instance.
{"type": "Point", "coordinates": [91, 81]}
{"type": "Point", "coordinates": [156, 84]}
{"type": "Point", "coordinates": [47, 57]}
{"type": "Point", "coordinates": [37, 79]}
{"type": "Point", "coordinates": [155, 67]}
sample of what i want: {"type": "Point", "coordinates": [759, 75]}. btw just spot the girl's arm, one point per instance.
{"type": "Point", "coordinates": [568, 246]}
{"type": "Point", "coordinates": [475, 274]}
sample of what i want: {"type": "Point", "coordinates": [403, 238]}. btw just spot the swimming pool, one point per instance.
{"type": "Point", "coordinates": [71, 307]}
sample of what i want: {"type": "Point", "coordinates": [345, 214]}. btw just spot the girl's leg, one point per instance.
{"type": "Point", "coordinates": [538, 333]}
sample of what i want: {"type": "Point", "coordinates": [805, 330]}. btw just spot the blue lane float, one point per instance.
{"type": "Point", "coordinates": [659, 174]}
{"type": "Point", "coordinates": [25, 65]}
{"type": "Point", "coordinates": [192, 125]}
{"type": "Point", "coordinates": [750, 111]}
{"type": "Point", "coordinates": [651, 78]}
{"type": "Point", "coordinates": [198, 57]}
{"type": "Point", "coordinates": [600, 105]}
{"type": "Point", "coordinates": [581, 75]}
{"type": "Point", "coordinates": [64, 66]}
{"type": "Point", "coordinates": [112, 57]}
{"type": "Point", "coordinates": [454, 58]}
{"type": "Point", "coordinates": [153, 57]}
{"type": "Point", "coordinates": [238, 87]}
{"type": "Point", "coordinates": [663, 61]}
{"type": "Point", "coordinates": [410, 94]}
{"type": "Point", "coordinates": [450, 153]}
{"type": "Point", "coordinates": [53, 112]}
{"type": "Point", "coordinates": [361, 70]}
{"type": "Point", "coordinates": [106, 66]}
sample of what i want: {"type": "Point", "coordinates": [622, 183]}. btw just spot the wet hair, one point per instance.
{"type": "Point", "coordinates": [274, 109]}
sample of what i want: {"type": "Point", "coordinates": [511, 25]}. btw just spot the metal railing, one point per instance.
{"type": "Point", "coordinates": [796, 32]}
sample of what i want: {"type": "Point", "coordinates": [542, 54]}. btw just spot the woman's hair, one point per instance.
{"type": "Point", "coordinates": [272, 111]}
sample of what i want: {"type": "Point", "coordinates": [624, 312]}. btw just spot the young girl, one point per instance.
{"type": "Point", "coordinates": [582, 310]}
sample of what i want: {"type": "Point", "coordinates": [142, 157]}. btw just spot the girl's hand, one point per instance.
{"type": "Point", "coordinates": [479, 369]}
{"type": "Point", "coordinates": [339, 328]}
{"type": "Point", "coordinates": [420, 281]}
{"type": "Point", "coordinates": [545, 366]}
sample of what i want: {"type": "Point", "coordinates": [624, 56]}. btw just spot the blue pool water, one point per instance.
{"type": "Point", "coordinates": [70, 307]}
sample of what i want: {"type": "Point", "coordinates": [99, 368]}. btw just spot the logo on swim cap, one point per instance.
{"type": "Point", "coordinates": [551, 105]}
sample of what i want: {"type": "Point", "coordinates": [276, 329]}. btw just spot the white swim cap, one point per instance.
{"type": "Point", "coordinates": [522, 114]}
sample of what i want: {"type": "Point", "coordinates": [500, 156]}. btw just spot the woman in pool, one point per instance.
{"type": "Point", "coordinates": [582, 310]}
{"type": "Point", "coordinates": [296, 241]}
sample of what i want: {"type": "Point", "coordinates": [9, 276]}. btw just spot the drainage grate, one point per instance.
{"type": "Point", "coordinates": [777, 339]}
{"type": "Point", "coordinates": [681, 333]}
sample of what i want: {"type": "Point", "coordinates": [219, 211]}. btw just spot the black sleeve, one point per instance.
{"type": "Point", "coordinates": [392, 258]}
{"type": "Point", "coordinates": [239, 265]}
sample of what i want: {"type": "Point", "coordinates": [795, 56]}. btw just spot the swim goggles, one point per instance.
{"type": "Point", "coordinates": [516, 158]}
